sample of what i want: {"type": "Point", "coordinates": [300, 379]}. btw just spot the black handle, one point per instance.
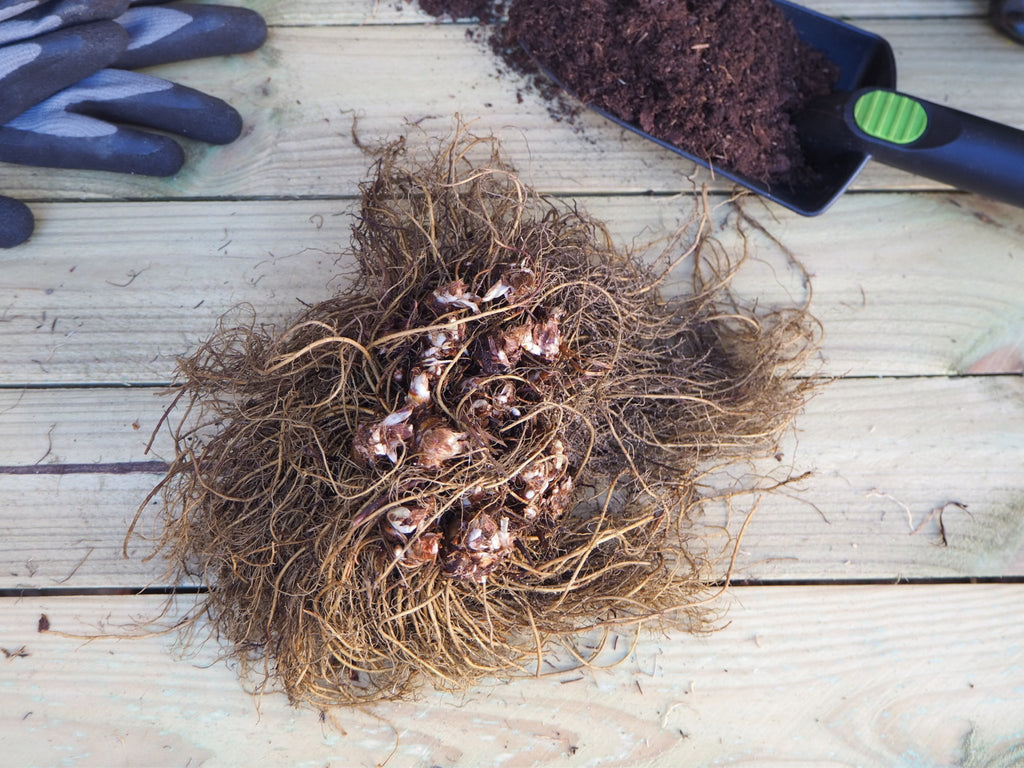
{"type": "Point", "coordinates": [941, 143]}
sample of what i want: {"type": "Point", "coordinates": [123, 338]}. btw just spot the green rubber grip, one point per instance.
{"type": "Point", "coordinates": [890, 117]}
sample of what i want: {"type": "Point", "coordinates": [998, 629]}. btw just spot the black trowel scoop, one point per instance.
{"type": "Point", "coordinates": [865, 117]}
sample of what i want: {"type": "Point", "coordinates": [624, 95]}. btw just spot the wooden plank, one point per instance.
{"type": "Point", "coordinates": [904, 9]}
{"type": "Point", "coordinates": [910, 478]}
{"type": "Point", "coordinates": [52, 428]}
{"type": "Point", "coordinates": [890, 460]}
{"type": "Point", "coordinates": [74, 313]}
{"type": "Point", "coordinates": [66, 532]}
{"type": "Point", "coordinates": [324, 12]}
{"type": "Point", "coordinates": [903, 285]}
{"type": "Point", "coordinates": [874, 677]}
{"type": "Point", "coordinates": [299, 95]}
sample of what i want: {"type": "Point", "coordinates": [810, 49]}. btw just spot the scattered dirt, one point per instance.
{"type": "Point", "coordinates": [486, 11]}
{"type": "Point", "coordinates": [719, 79]}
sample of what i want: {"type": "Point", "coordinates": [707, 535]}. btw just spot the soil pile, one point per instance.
{"type": "Point", "coordinates": [719, 78]}
{"type": "Point", "coordinates": [492, 440]}
{"type": "Point", "coordinates": [486, 11]}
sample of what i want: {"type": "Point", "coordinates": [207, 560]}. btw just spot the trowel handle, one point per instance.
{"type": "Point", "coordinates": [954, 147]}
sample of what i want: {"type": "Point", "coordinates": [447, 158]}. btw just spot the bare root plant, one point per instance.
{"type": "Point", "coordinates": [489, 442]}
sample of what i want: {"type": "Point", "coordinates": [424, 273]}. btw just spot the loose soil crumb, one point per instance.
{"type": "Point", "coordinates": [719, 79]}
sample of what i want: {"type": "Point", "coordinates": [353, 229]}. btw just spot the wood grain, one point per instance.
{"type": "Point", "coordinates": [844, 676]}
{"type": "Point", "coordinates": [358, 12]}
{"type": "Point", "coordinates": [906, 285]}
{"type": "Point", "coordinates": [890, 460]}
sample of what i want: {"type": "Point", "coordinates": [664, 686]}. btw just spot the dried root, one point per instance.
{"type": "Point", "coordinates": [491, 440]}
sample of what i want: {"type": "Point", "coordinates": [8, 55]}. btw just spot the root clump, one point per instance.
{"type": "Point", "coordinates": [490, 441]}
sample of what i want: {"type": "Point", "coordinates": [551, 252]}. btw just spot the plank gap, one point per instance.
{"type": "Point", "coordinates": [100, 468]}
{"type": "Point", "coordinates": [735, 585]}
{"type": "Point", "coordinates": [165, 590]}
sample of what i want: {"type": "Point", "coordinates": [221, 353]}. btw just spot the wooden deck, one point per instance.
{"type": "Point", "coordinates": [879, 621]}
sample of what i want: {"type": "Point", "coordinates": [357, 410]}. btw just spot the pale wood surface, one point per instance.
{"type": "Point", "coordinates": [874, 677]}
{"type": "Point", "coordinates": [903, 285]}
{"type": "Point", "coordinates": [919, 293]}
{"type": "Point", "coordinates": [880, 461]}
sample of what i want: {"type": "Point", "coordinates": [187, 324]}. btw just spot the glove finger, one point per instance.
{"type": "Point", "coordinates": [58, 14]}
{"type": "Point", "coordinates": [149, 102]}
{"type": "Point", "coordinates": [16, 222]}
{"type": "Point", "coordinates": [32, 71]}
{"type": "Point", "coordinates": [159, 35]}
{"type": "Point", "coordinates": [12, 8]}
{"type": "Point", "coordinates": [71, 128]}
{"type": "Point", "coordinates": [78, 141]}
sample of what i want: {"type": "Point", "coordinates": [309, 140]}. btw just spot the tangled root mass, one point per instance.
{"type": "Point", "coordinates": [490, 441]}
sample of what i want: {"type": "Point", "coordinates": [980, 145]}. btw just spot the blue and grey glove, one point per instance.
{"type": "Point", "coordinates": [67, 92]}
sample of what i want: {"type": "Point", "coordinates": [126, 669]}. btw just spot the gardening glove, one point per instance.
{"type": "Point", "coordinates": [1008, 16]}
{"type": "Point", "coordinates": [66, 95]}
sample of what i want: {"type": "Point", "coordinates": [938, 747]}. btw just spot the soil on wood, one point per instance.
{"type": "Point", "coordinates": [721, 79]}
{"type": "Point", "coordinates": [485, 10]}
